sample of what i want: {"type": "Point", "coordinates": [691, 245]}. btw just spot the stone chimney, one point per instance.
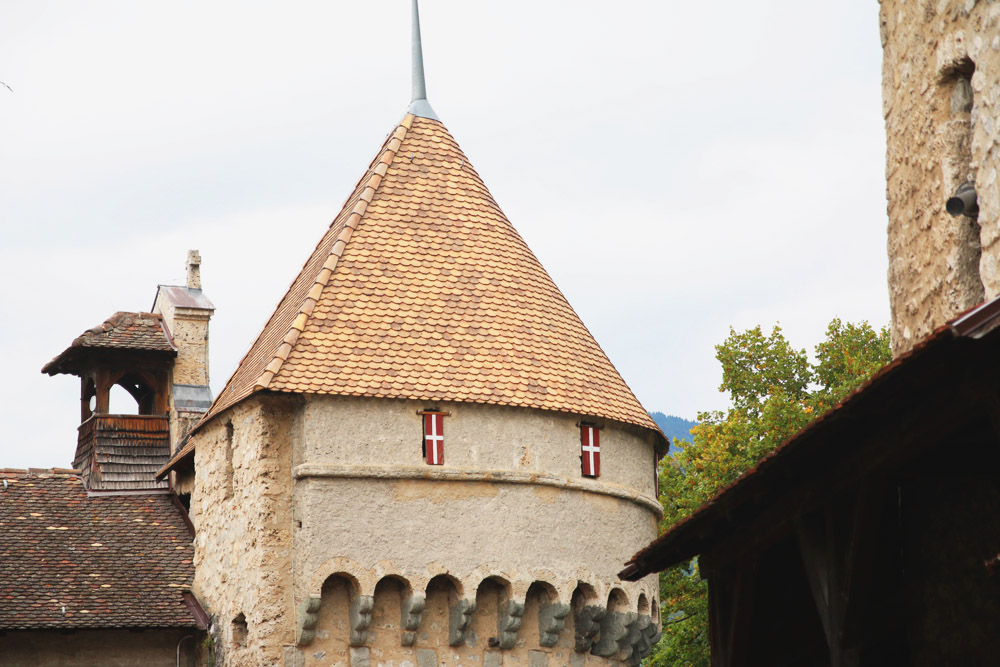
{"type": "Point", "coordinates": [186, 313]}
{"type": "Point", "coordinates": [194, 270]}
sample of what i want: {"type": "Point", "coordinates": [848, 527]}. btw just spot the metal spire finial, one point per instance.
{"type": "Point", "coordinates": [419, 105]}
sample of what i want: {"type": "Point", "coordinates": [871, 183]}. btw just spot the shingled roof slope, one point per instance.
{"type": "Point", "coordinates": [124, 331]}
{"type": "Point", "coordinates": [72, 561]}
{"type": "Point", "coordinates": [422, 289]}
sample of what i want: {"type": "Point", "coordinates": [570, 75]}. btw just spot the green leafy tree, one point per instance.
{"type": "Point", "coordinates": [774, 391]}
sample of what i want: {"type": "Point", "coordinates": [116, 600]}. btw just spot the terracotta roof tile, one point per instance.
{"type": "Point", "coordinates": [72, 561]}
{"type": "Point", "coordinates": [125, 331]}
{"type": "Point", "coordinates": [430, 284]}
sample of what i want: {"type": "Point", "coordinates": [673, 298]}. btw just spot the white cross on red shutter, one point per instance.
{"type": "Point", "coordinates": [590, 442]}
{"type": "Point", "coordinates": [434, 438]}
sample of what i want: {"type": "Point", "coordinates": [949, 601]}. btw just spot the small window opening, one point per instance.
{"type": "Point", "coordinates": [229, 460]}
{"type": "Point", "coordinates": [959, 171]}
{"type": "Point", "coordinates": [240, 630]}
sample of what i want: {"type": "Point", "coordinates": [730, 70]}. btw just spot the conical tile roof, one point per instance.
{"type": "Point", "coordinates": [422, 289]}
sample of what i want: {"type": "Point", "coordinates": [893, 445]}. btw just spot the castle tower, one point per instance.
{"type": "Point", "coordinates": [424, 458]}
{"type": "Point", "coordinates": [941, 100]}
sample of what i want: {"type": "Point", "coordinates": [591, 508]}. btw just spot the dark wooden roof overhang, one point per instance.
{"type": "Point", "coordinates": [124, 338]}
{"type": "Point", "coordinates": [911, 405]}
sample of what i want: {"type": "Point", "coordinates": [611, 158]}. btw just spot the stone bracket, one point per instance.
{"type": "Point", "coordinates": [360, 616]}
{"type": "Point", "coordinates": [653, 635]}
{"type": "Point", "coordinates": [508, 623]}
{"type": "Point", "coordinates": [459, 616]}
{"type": "Point", "coordinates": [628, 653]}
{"type": "Point", "coordinates": [308, 616]}
{"type": "Point", "coordinates": [586, 625]}
{"type": "Point", "coordinates": [613, 635]}
{"type": "Point", "coordinates": [648, 636]}
{"type": "Point", "coordinates": [412, 611]}
{"type": "Point", "coordinates": [551, 620]}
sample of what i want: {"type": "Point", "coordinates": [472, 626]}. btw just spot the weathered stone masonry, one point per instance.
{"type": "Point", "coordinates": [941, 101]}
{"type": "Point", "coordinates": [374, 557]}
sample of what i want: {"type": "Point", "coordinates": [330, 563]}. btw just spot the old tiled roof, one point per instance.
{"type": "Point", "coordinates": [126, 331]}
{"type": "Point", "coordinates": [422, 289]}
{"type": "Point", "coordinates": [72, 561]}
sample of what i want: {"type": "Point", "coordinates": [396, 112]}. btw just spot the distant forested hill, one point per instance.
{"type": "Point", "coordinates": [673, 427]}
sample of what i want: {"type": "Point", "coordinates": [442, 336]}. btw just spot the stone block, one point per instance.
{"type": "Point", "coordinates": [538, 659]}
{"type": "Point", "coordinates": [360, 656]}
{"type": "Point", "coordinates": [426, 658]}
{"type": "Point", "coordinates": [293, 657]}
{"type": "Point", "coordinates": [492, 659]}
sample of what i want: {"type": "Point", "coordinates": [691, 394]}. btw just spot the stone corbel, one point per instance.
{"type": "Point", "coordinates": [459, 616]}
{"type": "Point", "coordinates": [412, 611]}
{"type": "Point", "coordinates": [586, 625]}
{"type": "Point", "coordinates": [628, 654]}
{"type": "Point", "coordinates": [360, 617]}
{"type": "Point", "coordinates": [551, 620]}
{"type": "Point", "coordinates": [645, 642]}
{"type": "Point", "coordinates": [653, 634]}
{"type": "Point", "coordinates": [508, 623]}
{"type": "Point", "coordinates": [614, 633]}
{"type": "Point", "coordinates": [308, 616]}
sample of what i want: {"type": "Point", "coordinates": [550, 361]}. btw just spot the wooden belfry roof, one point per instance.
{"type": "Point", "coordinates": [142, 332]}
{"type": "Point", "coordinates": [422, 289]}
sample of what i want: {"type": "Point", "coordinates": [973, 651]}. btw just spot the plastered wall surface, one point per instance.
{"type": "Point", "coordinates": [413, 524]}
{"type": "Point", "coordinates": [329, 497]}
{"type": "Point", "coordinates": [361, 431]}
{"type": "Point", "coordinates": [941, 101]}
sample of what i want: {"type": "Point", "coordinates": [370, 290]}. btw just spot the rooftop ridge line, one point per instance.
{"type": "Point", "coordinates": [336, 251]}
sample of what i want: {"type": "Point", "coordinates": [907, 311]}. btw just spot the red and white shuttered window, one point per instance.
{"type": "Point", "coordinates": [590, 450]}
{"type": "Point", "coordinates": [434, 438]}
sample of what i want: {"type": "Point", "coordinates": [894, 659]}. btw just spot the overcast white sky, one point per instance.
{"type": "Point", "coordinates": [678, 167]}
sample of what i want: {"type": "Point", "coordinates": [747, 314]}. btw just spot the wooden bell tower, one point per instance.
{"type": "Point", "coordinates": [133, 351]}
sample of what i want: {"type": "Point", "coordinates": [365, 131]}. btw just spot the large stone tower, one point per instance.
{"type": "Point", "coordinates": [424, 458]}
{"type": "Point", "coordinates": [941, 95]}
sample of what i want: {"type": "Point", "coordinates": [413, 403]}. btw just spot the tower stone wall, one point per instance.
{"type": "Point", "coordinates": [941, 102]}
{"type": "Point", "coordinates": [327, 538]}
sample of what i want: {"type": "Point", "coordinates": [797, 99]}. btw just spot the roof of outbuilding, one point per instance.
{"type": "Point", "coordinates": [69, 560]}
{"type": "Point", "coordinates": [422, 289]}
{"type": "Point", "coordinates": [124, 331]}
{"type": "Point", "coordinates": [807, 455]}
